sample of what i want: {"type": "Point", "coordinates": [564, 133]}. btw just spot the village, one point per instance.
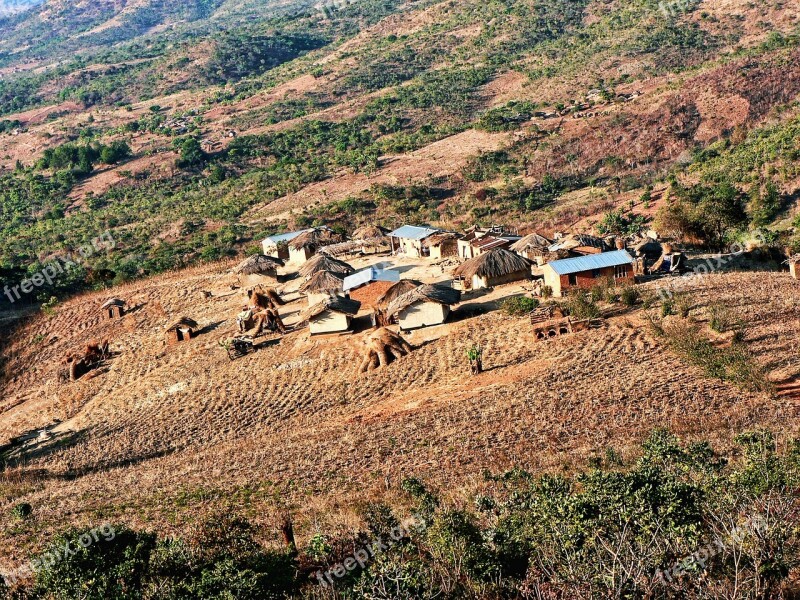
{"type": "Point", "coordinates": [391, 285]}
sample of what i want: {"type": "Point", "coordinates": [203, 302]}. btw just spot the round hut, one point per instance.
{"type": "Point", "coordinates": [491, 269]}
{"type": "Point", "coordinates": [308, 243]}
{"type": "Point", "coordinates": [257, 270]}
{"type": "Point", "coordinates": [322, 285]}
{"type": "Point", "coordinates": [323, 262]}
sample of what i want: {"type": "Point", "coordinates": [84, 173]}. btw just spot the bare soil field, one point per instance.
{"type": "Point", "coordinates": [295, 426]}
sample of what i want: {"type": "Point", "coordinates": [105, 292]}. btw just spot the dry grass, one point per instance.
{"type": "Point", "coordinates": [165, 435]}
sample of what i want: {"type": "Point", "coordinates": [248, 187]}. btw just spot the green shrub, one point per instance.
{"type": "Point", "coordinates": [21, 511]}
{"type": "Point", "coordinates": [519, 306]}
{"type": "Point", "coordinates": [629, 295]}
{"type": "Point", "coordinates": [112, 565]}
{"type": "Point", "coordinates": [581, 306]}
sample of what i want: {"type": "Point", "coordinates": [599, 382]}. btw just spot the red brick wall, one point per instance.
{"type": "Point", "coordinates": [586, 279]}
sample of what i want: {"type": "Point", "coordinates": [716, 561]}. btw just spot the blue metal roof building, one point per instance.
{"type": "Point", "coordinates": [413, 232]}
{"type": "Point", "coordinates": [591, 262]}
{"type": "Point", "coordinates": [369, 275]}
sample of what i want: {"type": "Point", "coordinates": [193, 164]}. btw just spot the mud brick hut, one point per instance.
{"type": "Point", "coordinates": [332, 315]}
{"type": "Point", "coordinates": [113, 309]}
{"type": "Point", "coordinates": [424, 306]}
{"type": "Point", "coordinates": [496, 267]}
{"type": "Point", "coordinates": [183, 330]}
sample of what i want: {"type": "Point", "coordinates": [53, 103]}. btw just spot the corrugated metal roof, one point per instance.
{"type": "Point", "coordinates": [591, 262]}
{"type": "Point", "coordinates": [368, 276]}
{"type": "Point", "coordinates": [412, 232]}
{"type": "Point", "coordinates": [285, 237]}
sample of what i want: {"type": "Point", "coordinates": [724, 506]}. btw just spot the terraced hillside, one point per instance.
{"type": "Point", "coordinates": [165, 434]}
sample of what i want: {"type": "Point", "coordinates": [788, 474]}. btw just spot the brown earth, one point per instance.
{"type": "Point", "coordinates": [183, 427]}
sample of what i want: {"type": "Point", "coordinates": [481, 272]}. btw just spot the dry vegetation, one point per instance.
{"type": "Point", "coordinates": [163, 430]}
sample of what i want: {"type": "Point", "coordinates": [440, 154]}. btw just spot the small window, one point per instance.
{"type": "Point", "coordinates": [573, 279]}
{"type": "Point", "coordinates": [621, 271]}
{"type": "Point", "coordinates": [597, 273]}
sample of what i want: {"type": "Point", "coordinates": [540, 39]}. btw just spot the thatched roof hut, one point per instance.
{"type": "Point", "coordinates": [323, 262]}
{"type": "Point", "coordinates": [332, 315]}
{"type": "Point", "coordinates": [437, 294]}
{"type": "Point", "coordinates": [398, 289]}
{"type": "Point", "coordinates": [258, 264]}
{"type": "Point", "coordinates": [314, 239]}
{"type": "Point", "coordinates": [493, 265]}
{"type": "Point", "coordinates": [370, 232]}
{"type": "Point", "coordinates": [534, 241]}
{"type": "Point", "coordinates": [323, 282]}
{"type": "Point", "coordinates": [335, 304]}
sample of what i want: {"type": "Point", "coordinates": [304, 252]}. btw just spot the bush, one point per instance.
{"type": "Point", "coordinates": [581, 307]}
{"type": "Point", "coordinates": [112, 565]}
{"type": "Point", "coordinates": [629, 295]}
{"type": "Point", "coordinates": [519, 306]}
{"type": "Point", "coordinates": [22, 510]}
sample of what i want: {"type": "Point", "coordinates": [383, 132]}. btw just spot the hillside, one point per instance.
{"type": "Point", "coordinates": [181, 134]}
{"type": "Point", "coordinates": [382, 112]}
{"type": "Point", "coordinates": [195, 431]}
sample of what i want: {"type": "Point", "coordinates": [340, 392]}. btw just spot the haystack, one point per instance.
{"type": "Point", "coordinates": [381, 346]}
{"type": "Point", "coordinates": [322, 262]}
{"type": "Point", "coordinates": [493, 268]}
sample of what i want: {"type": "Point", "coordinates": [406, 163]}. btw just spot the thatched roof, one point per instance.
{"type": "Point", "coordinates": [493, 264]}
{"type": "Point", "coordinates": [315, 238]}
{"type": "Point", "coordinates": [335, 304]}
{"type": "Point", "coordinates": [578, 240]}
{"type": "Point", "coordinates": [398, 289]}
{"type": "Point", "coordinates": [258, 264]}
{"type": "Point", "coordinates": [369, 232]}
{"type": "Point", "coordinates": [532, 241]}
{"type": "Point", "coordinates": [322, 282]}
{"type": "Point", "coordinates": [437, 239]}
{"type": "Point", "coordinates": [113, 302]}
{"type": "Point", "coordinates": [323, 262]}
{"type": "Point", "coordinates": [424, 293]}
{"type": "Point", "coordinates": [183, 323]}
